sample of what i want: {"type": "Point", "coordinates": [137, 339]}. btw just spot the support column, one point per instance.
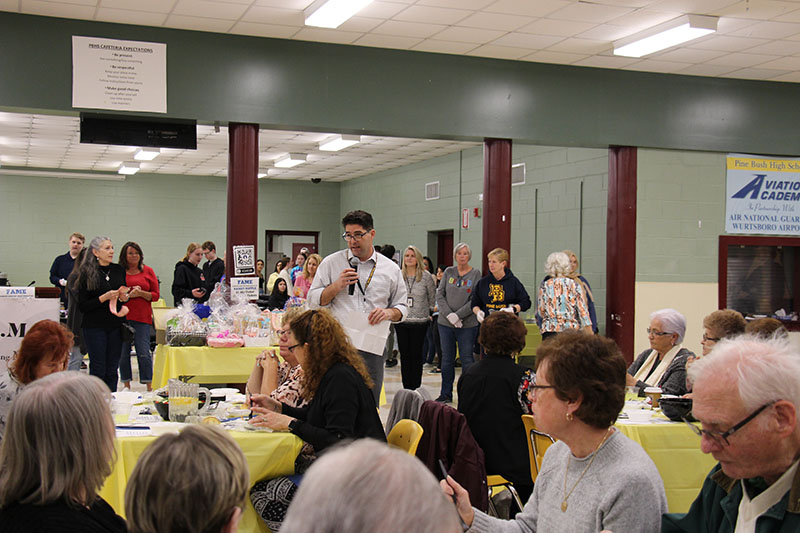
{"type": "Point", "coordinates": [621, 248]}
{"type": "Point", "coordinates": [496, 197]}
{"type": "Point", "coordinates": [242, 190]}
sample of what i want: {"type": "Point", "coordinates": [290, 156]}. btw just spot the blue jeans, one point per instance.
{"type": "Point", "coordinates": [104, 349]}
{"type": "Point", "coordinates": [465, 337]}
{"type": "Point", "coordinates": [141, 340]}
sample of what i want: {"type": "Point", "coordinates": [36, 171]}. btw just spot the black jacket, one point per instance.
{"type": "Point", "coordinates": [213, 272]}
{"type": "Point", "coordinates": [343, 408]}
{"type": "Point", "coordinates": [96, 314]}
{"type": "Point", "coordinates": [187, 277]}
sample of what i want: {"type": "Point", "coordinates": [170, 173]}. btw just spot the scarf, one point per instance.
{"type": "Point", "coordinates": [658, 373]}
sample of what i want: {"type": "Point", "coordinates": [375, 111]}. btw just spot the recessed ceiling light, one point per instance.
{"type": "Point", "coordinates": [147, 154]}
{"type": "Point", "coordinates": [332, 13]}
{"type": "Point", "coordinates": [290, 160]}
{"type": "Point", "coordinates": [129, 168]}
{"type": "Point", "coordinates": [666, 35]}
{"type": "Point", "coordinates": [339, 142]}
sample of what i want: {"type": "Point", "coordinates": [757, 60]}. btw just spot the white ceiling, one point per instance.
{"type": "Point", "coordinates": [757, 39]}
{"type": "Point", "coordinates": [53, 142]}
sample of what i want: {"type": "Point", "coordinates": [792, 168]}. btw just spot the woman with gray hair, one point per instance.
{"type": "Point", "coordinates": [101, 291]}
{"type": "Point", "coordinates": [57, 451]}
{"type": "Point", "coordinates": [457, 323]}
{"type": "Point", "coordinates": [664, 363]}
{"type": "Point", "coordinates": [377, 488]}
{"type": "Point", "coordinates": [561, 302]}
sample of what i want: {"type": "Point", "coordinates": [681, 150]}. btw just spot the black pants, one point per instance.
{"type": "Point", "coordinates": [410, 338]}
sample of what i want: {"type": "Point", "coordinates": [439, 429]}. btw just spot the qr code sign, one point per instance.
{"type": "Point", "coordinates": [244, 262]}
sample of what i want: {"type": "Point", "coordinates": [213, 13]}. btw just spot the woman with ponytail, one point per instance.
{"type": "Point", "coordinates": [337, 384]}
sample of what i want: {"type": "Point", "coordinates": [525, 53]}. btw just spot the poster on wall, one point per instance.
{"type": "Point", "coordinates": [763, 195]}
{"type": "Point", "coordinates": [17, 315]}
{"type": "Point", "coordinates": [119, 75]}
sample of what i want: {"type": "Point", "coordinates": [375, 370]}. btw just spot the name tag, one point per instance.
{"type": "Point", "coordinates": [410, 301]}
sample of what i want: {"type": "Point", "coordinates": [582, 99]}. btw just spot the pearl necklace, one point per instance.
{"type": "Point", "coordinates": [569, 457]}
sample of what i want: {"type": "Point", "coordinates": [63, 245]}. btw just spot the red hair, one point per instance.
{"type": "Point", "coordinates": [46, 340]}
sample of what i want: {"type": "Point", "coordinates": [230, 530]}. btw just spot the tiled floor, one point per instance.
{"type": "Point", "coordinates": [392, 382]}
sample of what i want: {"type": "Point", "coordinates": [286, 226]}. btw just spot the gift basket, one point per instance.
{"type": "Point", "coordinates": [184, 327]}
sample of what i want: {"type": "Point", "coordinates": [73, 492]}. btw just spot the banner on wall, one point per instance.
{"type": "Point", "coordinates": [763, 195]}
{"type": "Point", "coordinates": [17, 315]}
{"type": "Point", "coordinates": [120, 75]}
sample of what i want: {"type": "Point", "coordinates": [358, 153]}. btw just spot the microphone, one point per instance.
{"type": "Point", "coordinates": [354, 265]}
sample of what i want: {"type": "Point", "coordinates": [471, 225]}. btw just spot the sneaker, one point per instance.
{"type": "Point", "coordinates": [435, 371]}
{"type": "Point", "coordinates": [458, 363]}
{"type": "Point", "coordinates": [442, 399]}
{"type": "Point", "coordinates": [391, 363]}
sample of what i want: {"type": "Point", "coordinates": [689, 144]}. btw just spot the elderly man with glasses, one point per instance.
{"type": "Point", "coordinates": [746, 397]}
{"type": "Point", "coordinates": [360, 286]}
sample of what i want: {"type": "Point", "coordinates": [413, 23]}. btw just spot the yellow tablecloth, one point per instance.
{"type": "Point", "coordinates": [159, 303]}
{"type": "Point", "coordinates": [268, 455]}
{"type": "Point", "coordinates": [675, 450]}
{"type": "Point", "coordinates": [208, 365]}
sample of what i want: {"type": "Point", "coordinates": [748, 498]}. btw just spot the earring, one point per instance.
{"type": "Point", "coordinates": [569, 417]}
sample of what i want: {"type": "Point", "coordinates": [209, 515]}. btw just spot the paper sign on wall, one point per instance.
{"type": "Point", "coordinates": [120, 75]}
{"type": "Point", "coordinates": [763, 195]}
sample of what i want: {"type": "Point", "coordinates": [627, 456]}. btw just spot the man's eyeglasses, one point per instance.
{"type": "Point", "coordinates": [657, 333]}
{"type": "Point", "coordinates": [706, 338]}
{"type": "Point", "coordinates": [354, 236]}
{"type": "Point", "coordinates": [721, 437]}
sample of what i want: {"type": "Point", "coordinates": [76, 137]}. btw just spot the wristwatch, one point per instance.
{"type": "Point", "coordinates": [293, 424]}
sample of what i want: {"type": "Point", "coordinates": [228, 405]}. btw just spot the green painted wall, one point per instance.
{"type": "Point", "coordinates": [325, 87]}
{"type": "Point", "coordinates": [538, 227]}
{"type": "Point", "coordinates": [680, 215]}
{"type": "Point", "coordinates": [162, 213]}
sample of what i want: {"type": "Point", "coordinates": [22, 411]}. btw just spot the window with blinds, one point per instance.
{"type": "Point", "coordinates": [760, 278]}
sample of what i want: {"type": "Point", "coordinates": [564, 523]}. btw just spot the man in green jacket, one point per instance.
{"type": "Point", "coordinates": [746, 396]}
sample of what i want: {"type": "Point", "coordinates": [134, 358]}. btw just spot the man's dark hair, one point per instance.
{"type": "Point", "coordinates": [388, 250]}
{"type": "Point", "coordinates": [362, 218]}
{"type": "Point", "coordinates": [209, 245]}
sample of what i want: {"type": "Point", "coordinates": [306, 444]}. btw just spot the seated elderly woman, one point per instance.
{"type": "Point", "coordinates": [721, 324]}
{"type": "Point", "coordinates": [377, 488]}
{"type": "Point", "coordinates": [593, 478]}
{"type": "Point", "coordinates": [497, 424]}
{"type": "Point", "coordinates": [57, 452]}
{"type": "Point", "coordinates": [280, 380]}
{"type": "Point", "coordinates": [766, 328]}
{"type": "Point", "coordinates": [664, 363]}
{"type": "Point", "coordinates": [195, 480]}
{"type": "Point", "coordinates": [337, 385]}
{"type": "Point", "coordinates": [561, 302]}
{"type": "Point", "coordinates": [44, 350]}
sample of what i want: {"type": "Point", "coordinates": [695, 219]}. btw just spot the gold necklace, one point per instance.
{"type": "Point", "coordinates": [569, 457]}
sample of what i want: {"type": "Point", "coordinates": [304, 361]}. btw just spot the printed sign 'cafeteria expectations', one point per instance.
{"type": "Point", "coordinates": [119, 75]}
{"type": "Point", "coordinates": [763, 195]}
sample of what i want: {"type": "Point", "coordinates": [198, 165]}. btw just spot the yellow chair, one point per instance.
{"type": "Point", "coordinates": [496, 484]}
{"type": "Point", "coordinates": [538, 443]}
{"type": "Point", "coordinates": [405, 435]}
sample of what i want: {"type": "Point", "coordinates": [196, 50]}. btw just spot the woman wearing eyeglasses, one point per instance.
{"type": "Point", "coordinates": [593, 478]}
{"type": "Point", "coordinates": [341, 405]}
{"type": "Point", "coordinates": [664, 364]}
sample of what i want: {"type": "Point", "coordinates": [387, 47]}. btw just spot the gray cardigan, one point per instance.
{"type": "Point", "coordinates": [455, 296]}
{"type": "Point", "coordinates": [621, 491]}
{"type": "Point", "coordinates": [674, 379]}
{"type": "Point", "coordinates": [423, 294]}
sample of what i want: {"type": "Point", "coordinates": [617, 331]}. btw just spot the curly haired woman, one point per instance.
{"type": "Point", "coordinates": [341, 406]}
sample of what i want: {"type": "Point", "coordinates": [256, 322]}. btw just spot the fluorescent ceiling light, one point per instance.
{"type": "Point", "coordinates": [290, 160]}
{"type": "Point", "coordinates": [666, 35]}
{"type": "Point", "coordinates": [332, 13]}
{"type": "Point", "coordinates": [269, 172]}
{"type": "Point", "coordinates": [339, 142]}
{"type": "Point", "coordinates": [60, 174]}
{"type": "Point", "coordinates": [147, 154]}
{"type": "Point", "coordinates": [128, 168]}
